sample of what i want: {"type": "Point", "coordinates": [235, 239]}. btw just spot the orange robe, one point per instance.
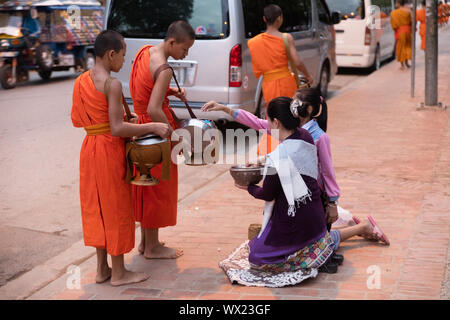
{"type": "Point", "coordinates": [106, 203]}
{"type": "Point", "coordinates": [269, 59]}
{"type": "Point", "coordinates": [155, 206]}
{"type": "Point", "coordinates": [401, 23]}
{"type": "Point", "coordinates": [421, 17]}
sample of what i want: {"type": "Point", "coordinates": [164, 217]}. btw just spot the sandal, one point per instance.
{"type": "Point", "coordinates": [378, 231]}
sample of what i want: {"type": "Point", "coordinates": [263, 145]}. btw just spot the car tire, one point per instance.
{"type": "Point", "coordinates": [45, 75]}
{"type": "Point", "coordinates": [44, 57]}
{"type": "Point", "coordinates": [6, 77]}
{"type": "Point", "coordinates": [324, 80]}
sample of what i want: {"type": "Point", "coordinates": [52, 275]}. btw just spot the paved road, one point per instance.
{"type": "Point", "coordinates": [39, 152]}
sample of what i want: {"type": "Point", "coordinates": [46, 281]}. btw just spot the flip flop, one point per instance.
{"type": "Point", "coordinates": [378, 231]}
{"type": "Point", "coordinates": [356, 220]}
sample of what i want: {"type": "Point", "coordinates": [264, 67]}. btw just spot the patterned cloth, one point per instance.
{"type": "Point", "coordinates": [298, 267]}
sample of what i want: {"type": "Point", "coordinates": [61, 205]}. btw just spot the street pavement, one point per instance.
{"type": "Point", "coordinates": [391, 161]}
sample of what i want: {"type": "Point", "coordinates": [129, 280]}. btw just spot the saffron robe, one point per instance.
{"type": "Point", "coordinates": [269, 59]}
{"type": "Point", "coordinates": [156, 206]}
{"type": "Point", "coordinates": [401, 23]}
{"type": "Point", "coordinates": [269, 54]}
{"type": "Point", "coordinates": [421, 17]}
{"type": "Point", "coordinates": [106, 203]}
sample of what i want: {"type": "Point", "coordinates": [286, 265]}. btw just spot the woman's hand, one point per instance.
{"type": "Point", "coordinates": [332, 213]}
{"type": "Point", "coordinates": [214, 106]}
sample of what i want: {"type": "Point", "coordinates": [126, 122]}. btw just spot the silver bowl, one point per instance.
{"type": "Point", "coordinates": [245, 176]}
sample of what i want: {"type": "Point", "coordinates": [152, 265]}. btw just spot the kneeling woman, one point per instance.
{"type": "Point", "coordinates": [294, 234]}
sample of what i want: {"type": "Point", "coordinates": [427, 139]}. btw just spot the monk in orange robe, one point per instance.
{"type": "Point", "coordinates": [156, 206]}
{"type": "Point", "coordinates": [401, 23]}
{"type": "Point", "coordinates": [422, 17]}
{"type": "Point", "coordinates": [106, 203]}
{"type": "Point", "coordinates": [270, 59]}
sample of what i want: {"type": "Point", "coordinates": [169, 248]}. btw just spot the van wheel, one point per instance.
{"type": "Point", "coordinates": [44, 57]}
{"type": "Point", "coordinates": [377, 61]}
{"type": "Point", "coordinates": [261, 110]}
{"type": "Point", "coordinates": [45, 75]}
{"type": "Point", "coordinates": [6, 78]}
{"type": "Point", "coordinates": [324, 80]}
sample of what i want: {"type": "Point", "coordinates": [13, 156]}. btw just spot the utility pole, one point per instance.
{"type": "Point", "coordinates": [431, 54]}
{"type": "Point", "coordinates": [413, 62]}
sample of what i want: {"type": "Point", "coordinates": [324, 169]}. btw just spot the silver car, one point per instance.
{"type": "Point", "coordinates": [219, 65]}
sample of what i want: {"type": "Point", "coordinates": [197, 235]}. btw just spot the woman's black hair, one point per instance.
{"type": "Point", "coordinates": [311, 97]}
{"type": "Point", "coordinates": [279, 108]}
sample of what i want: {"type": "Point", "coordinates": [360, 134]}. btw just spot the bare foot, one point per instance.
{"type": "Point", "coordinates": [103, 275]}
{"type": "Point", "coordinates": [129, 277]}
{"type": "Point", "coordinates": [141, 247]}
{"type": "Point", "coordinates": [369, 233]}
{"type": "Point", "coordinates": [162, 252]}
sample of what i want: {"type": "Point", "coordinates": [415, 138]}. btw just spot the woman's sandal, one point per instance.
{"type": "Point", "coordinates": [378, 231]}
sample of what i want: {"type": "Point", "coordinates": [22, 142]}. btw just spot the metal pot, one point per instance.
{"type": "Point", "coordinates": [202, 139]}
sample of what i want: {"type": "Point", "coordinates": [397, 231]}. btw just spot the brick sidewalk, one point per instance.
{"type": "Point", "coordinates": [391, 162]}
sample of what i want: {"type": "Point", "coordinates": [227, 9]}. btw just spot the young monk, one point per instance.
{"type": "Point", "coordinates": [270, 59]}
{"type": "Point", "coordinates": [106, 204]}
{"type": "Point", "coordinates": [421, 17]}
{"type": "Point", "coordinates": [156, 206]}
{"type": "Point", "coordinates": [401, 23]}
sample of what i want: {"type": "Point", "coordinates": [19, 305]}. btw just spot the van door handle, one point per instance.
{"type": "Point", "coordinates": [322, 36]}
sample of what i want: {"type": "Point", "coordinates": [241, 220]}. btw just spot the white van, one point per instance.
{"type": "Point", "coordinates": [364, 37]}
{"type": "Point", "coordinates": [218, 66]}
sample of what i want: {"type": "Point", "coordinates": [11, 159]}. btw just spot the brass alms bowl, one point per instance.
{"type": "Point", "coordinates": [246, 175]}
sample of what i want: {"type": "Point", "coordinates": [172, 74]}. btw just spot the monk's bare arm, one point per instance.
{"type": "Point", "coordinates": [119, 128]}
{"type": "Point", "coordinates": [296, 58]}
{"type": "Point", "coordinates": [155, 103]}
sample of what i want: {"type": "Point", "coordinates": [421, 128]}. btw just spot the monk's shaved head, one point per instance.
{"type": "Point", "coordinates": [108, 40]}
{"type": "Point", "coordinates": [271, 13]}
{"type": "Point", "coordinates": [180, 31]}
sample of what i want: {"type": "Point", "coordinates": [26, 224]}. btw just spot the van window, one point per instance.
{"type": "Point", "coordinates": [322, 10]}
{"type": "Point", "coordinates": [296, 15]}
{"type": "Point", "coordinates": [384, 5]}
{"type": "Point", "coordinates": [151, 18]}
{"type": "Point", "coordinates": [348, 8]}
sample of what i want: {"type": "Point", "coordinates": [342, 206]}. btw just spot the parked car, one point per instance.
{"type": "Point", "coordinates": [364, 37]}
{"type": "Point", "coordinates": [43, 36]}
{"type": "Point", "coordinates": [219, 66]}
